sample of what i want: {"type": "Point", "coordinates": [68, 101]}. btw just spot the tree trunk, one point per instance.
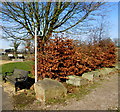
{"type": "Point", "coordinates": [15, 53]}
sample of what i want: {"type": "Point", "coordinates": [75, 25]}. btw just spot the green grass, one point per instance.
{"type": "Point", "coordinates": [9, 67]}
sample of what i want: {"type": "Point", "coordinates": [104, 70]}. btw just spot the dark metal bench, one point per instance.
{"type": "Point", "coordinates": [16, 77]}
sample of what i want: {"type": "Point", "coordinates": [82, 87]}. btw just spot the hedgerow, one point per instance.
{"type": "Point", "coordinates": [62, 57]}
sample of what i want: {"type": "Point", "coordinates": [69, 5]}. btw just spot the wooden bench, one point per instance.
{"type": "Point", "coordinates": [16, 77]}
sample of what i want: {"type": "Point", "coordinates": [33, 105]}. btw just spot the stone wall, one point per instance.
{"type": "Point", "coordinates": [89, 76]}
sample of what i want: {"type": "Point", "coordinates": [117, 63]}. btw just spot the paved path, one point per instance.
{"type": "Point", "coordinates": [5, 98]}
{"type": "Point", "coordinates": [0, 98]}
{"type": "Point", "coordinates": [4, 62]}
{"type": "Point", "coordinates": [6, 101]}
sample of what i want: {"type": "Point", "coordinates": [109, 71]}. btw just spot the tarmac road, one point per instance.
{"type": "Point", "coordinates": [5, 100]}
{"type": "Point", "coordinates": [0, 98]}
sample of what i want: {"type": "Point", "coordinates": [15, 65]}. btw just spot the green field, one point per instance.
{"type": "Point", "coordinates": [9, 67]}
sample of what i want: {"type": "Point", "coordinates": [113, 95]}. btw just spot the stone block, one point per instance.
{"type": "Point", "coordinates": [105, 71]}
{"type": "Point", "coordinates": [88, 76]}
{"type": "Point", "coordinates": [96, 74]}
{"type": "Point", "coordinates": [48, 89]}
{"type": "Point", "coordinates": [76, 80]}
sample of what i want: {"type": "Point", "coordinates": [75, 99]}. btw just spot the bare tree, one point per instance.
{"type": "Point", "coordinates": [21, 18]}
{"type": "Point", "coordinates": [29, 46]}
{"type": "Point", "coordinates": [15, 45]}
{"type": "Point", "coordinates": [99, 31]}
{"type": "Point", "coordinates": [116, 41]}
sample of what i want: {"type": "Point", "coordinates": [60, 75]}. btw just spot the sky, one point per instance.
{"type": "Point", "coordinates": [114, 21]}
{"type": "Point", "coordinates": [113, 26]}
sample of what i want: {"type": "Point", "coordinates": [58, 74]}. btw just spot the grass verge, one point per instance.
{"type": "Point", "coordinates": [9, 67]}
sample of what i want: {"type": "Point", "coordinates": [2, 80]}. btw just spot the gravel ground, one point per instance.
{"type": "Point", "coordinates": [103, 97]}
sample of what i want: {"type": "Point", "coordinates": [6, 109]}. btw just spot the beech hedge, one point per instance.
{"type": "Point", "coordinates": [62, 57]}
